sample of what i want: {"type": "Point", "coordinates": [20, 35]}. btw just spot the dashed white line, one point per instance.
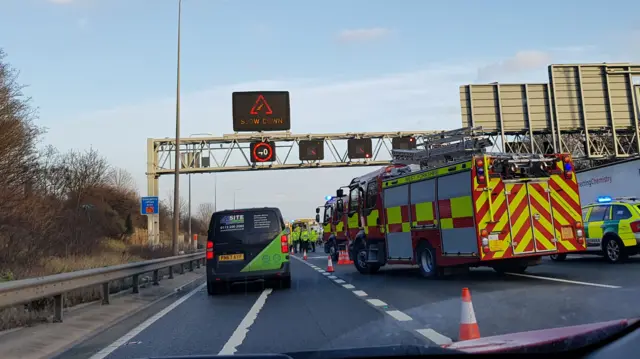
{"type": "Point", "coordinates": [434, 336]}
{"type": "Point", "coordinates": [565, 281]}
{"type": "Point", "coordinates": [135, 331]}
{"type": "Point", "coordinates": [241, 331]}
{"type": "Point", "coordinates": [398, 315]}
{"type": "Point", "coordinates": [376, 302]}
{"type": "Point", "coordinates": [360, 293]}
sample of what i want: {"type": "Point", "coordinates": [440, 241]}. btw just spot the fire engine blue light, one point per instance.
{"type": "Point", "coordinates": [604, 199]}
{"type": "Point", "coordinates": [327, 198]}
{"type": "Point", "coordinates": [567, 167]}
{"type": "Point", "coordinates": [480, 171]}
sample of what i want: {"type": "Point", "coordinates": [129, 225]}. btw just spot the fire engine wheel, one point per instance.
{"type": "Point", "coordinates": [361, 265]}
{"type": "Point", "coordinates": [427, 261]}
{"type": "Point", "coordinates": [558, 257]}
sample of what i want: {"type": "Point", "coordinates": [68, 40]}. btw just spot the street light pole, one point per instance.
{"type": "Point", "coordinates": [176, 183]}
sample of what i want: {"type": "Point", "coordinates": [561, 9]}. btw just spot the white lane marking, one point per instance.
{"type": "Point", "coordinates": [332, 277]}
{"type": "Point", "coordinates": [316, 257]}
{"type": "Point", "coordinates": [241, 331]}
{"type": "Point", "coordinates": [144, 325]}
{"type": "Point", "coordinates": [325, 273]}
{"type": "Point", "coordinates": [429, 334]}
{"type": "Point", "coordinates": [565, 281]}
{"type": "Point", "coordinates": [376, 302]}
{"type": "Point", "coordinates": [434, 336]}
{"type": "Point", "coordinates": [398, 315]}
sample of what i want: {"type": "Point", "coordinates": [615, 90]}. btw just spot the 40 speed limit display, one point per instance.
{"type": "Point", "coordinates": [264, 151]}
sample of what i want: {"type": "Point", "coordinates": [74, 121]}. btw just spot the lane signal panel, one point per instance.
{"type": "Point", "coordinates": [360, 148]}
{"type": "Point", "coordinates": [311, 150]}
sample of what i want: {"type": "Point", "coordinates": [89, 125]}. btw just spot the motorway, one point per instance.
{"type": "Point", "coordinates": [396, 306]}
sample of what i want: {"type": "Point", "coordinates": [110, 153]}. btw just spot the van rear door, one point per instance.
{"type": "Point", "coordinates": [241, 236]}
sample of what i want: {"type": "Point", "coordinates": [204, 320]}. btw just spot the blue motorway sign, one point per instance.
{"type": "Point", "coordinates": [149, 205]}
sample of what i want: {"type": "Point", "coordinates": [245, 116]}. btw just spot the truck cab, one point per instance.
{"type": "Point", "coordinates": [333, 223]}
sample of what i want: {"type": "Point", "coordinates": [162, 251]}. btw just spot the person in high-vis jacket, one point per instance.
{"type": "Point", "coordinates": [296, 239]}
{"type": "Point", "coordinates": [313, 238]}
{"type": "Point", "coordinates": [304, 239]}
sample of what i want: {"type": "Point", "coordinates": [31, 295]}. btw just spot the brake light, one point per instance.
{"type": "Point", "coordinates": [284, 244]}
{"type": "Point", "coordinates": [567, 167]}
{"type": "Point", "coordinates": [210, 252]}
{"type": "Point", "coordinates": [480, 175]}
{"type": "Point", "coordinates": [635, 227]}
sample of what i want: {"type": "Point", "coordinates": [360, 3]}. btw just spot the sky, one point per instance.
{"type": "Point", "coordinates": [103, 72]}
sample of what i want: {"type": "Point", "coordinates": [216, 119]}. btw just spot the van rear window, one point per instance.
{"type": "Point", "coordinates": [247, 223]}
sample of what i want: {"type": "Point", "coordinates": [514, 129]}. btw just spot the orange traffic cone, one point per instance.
{"type": "Point", "coordinates": [468, 325]}
{"type": "Point", "coordinates": [341, 259]}
{"type": "Point", "coordinates": [305, 255]}
{"type": "Point", "coordinates": [330, 265]}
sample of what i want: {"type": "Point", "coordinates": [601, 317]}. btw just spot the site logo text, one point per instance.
{"type": "Point", "coordinates": [594, 181]}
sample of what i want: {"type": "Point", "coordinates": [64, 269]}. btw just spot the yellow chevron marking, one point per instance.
{"type": "Point", "coordinates": [542, 239]}
{"type": "Point", "coordinates": [565, 187]}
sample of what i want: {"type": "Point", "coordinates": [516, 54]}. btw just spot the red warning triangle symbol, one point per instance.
{"type": "Point", "coordinates": [261, 104]}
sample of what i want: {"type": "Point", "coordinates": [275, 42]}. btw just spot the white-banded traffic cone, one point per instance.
{"type": "Point", "coordinates": [305, 255]}
{"type": "Point", "coordinates": [469, 328]}
{"type": "Point", "coordinates": [330, 265]}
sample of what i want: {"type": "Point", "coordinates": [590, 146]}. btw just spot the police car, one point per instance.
{"type": "Point", "coordinates": [612, 228]}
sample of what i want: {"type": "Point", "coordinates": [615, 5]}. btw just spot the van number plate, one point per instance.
{"type": "Point", "coordinates": [231, 257]}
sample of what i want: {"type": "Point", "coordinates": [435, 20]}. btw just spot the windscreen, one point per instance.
{"type": "Point", "coordinates": [246, 227]}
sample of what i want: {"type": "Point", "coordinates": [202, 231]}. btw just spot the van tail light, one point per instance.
{"type": "Point", "coordinates": [284, 244]}
{"type": "Point", "coordinates": [635, 227]}
{"type": "Point", "coordinates": [210, 252]}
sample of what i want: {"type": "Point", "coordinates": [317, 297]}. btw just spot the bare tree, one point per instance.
{"type": "Point", "coordinates": [121, 179]}
{"type": "Point", "coordinates": [205, 210]}
{"type": "Point", "coordinates": [184, 206]}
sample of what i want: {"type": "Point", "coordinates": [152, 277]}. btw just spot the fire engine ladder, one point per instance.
{"type": "Point", "coordinates": [445, 147]}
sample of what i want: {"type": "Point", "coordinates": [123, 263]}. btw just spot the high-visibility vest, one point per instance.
{"type": "Point", "coordinates": [314, 235]}
{"type": "Point", "coordinates": [304, 236]}
{"type": "Point", "coordinates": [296, 235]}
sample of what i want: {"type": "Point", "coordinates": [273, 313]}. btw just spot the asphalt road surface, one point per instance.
{"type": "Point", "coordinates": [346, 309]}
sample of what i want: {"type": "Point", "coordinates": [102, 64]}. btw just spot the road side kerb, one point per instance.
{"type": "Point", "coordinates": [47, 340]}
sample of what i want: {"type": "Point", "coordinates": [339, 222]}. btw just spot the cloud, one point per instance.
{"type": "Point", "coordinates": [522, 61]}
{"type": "Point", "coordinates": [363, 35]}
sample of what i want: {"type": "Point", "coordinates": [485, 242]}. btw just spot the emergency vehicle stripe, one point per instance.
{"type": "Point", "coordinates": [568, 194]}
{"type": "Point", "coordinates": [519, 216]}
{"type": "Point", "coordinates": [398, 219]}
{"type": "Point", "coordinates": [456, 212]}
{"type": "Point", "coordinates": [423, 213]}
{"type": "Point", "coordinates": [543, 224]}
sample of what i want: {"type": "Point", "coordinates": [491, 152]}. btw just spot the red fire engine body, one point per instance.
{"type": "Point", "coordinates": [502, 211]}
{"type": "Point", "coordinates": [334, 234]}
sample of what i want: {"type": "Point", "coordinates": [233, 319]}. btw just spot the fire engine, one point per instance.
{"type": "Point", "coordinates": [453, 204]}
{"type": "Point", "coordinates": [334, 234]}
